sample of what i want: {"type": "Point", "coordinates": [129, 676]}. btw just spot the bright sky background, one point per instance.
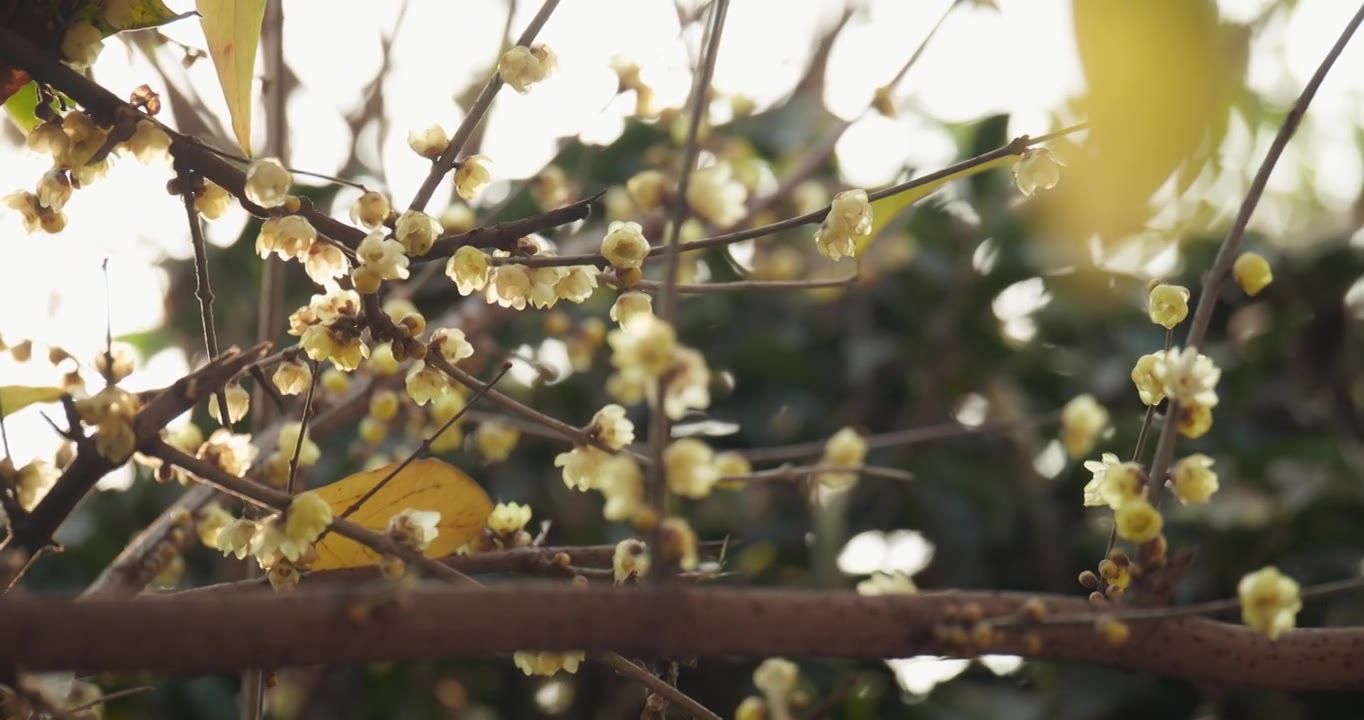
{"type": "Point", "coordinates": [54, 293]}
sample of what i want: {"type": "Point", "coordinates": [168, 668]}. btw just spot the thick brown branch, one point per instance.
{"type": "Point", "coordinates": [240, 630]}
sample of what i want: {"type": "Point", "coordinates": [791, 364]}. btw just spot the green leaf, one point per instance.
{"type": "Point", "coordinates": [232, 28]}
{"type": "Point", "coordinates": [22, 107]}
{"type": "Point", "coordinates": [888, 209]}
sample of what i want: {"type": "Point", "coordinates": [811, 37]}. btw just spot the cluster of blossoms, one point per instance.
{"type": "Point", "coordinates": [79, 148]}
{"type": "Point", "coordinates": [329, 328]}
{"type": "Point", "coordinates": [282, 543]}
{"type": "Point", "coordinates": [518, 286]}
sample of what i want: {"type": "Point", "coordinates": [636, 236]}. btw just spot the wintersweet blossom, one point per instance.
{"type": "Point", "coordinates": [1083, 419]}
{"type": "Point", "coordinates": [630, 304]}
{"type": "Point", "coordinates": [643, 347]}
{"type": "Point", "coordinates": [425, 383]}
{"type": "Point", "coordinates": [630, 561]}
{"type": "Point", "coordinates": [689, 467]}
{"type": "Point", "coordinates": [622, 485]}
{"type": "Point", "coordinates": [887, 583]}
{"type": "Point", "coordinates": [428, 143]}
{"type": "Point", "coordinates": [1188, 377]}
{"type": "Point", "coordinates": [648, 189]}
{"type": "Point", "coordinates": [846, 448]}
{"type": "Point", "coordinates": [82, 43]}
{"type": "Point", "coordinates": [715, 195]}
{"type": "Point", "coordinates": [267, 183]}
{"type": "Point", "coordinates": [496, 439]}
{"type": "Point", "coordinates": [452, 344]}
{"type": "Point", "coordinates": [1193, 479]}
{"type": "Point", "coordinates": [1149, 387]}
{"type": "Point", "coordinates": [1252, 273]}
{"type": "Point", "coordinates": [1168, 305]}
{"type": "Point", "coordinates": [1137, 521]}
{"type": "Point", "coordinates": [610, 427]}
{"type": "Point", "coordinates": [510, 286]}
{"type": "Point", "coordinates": [383, 257]}
{"type": "Point", "coordinates": [1114, 483]}
{"type": "Point", "coordinates": [625, 245]}
{"type": "Point", "coordinates": [521, 66]}
{"type": "Point", "coordinates": [1037, 169]}
{"type": "Point", "coordinates": [849, 218]}
{"type": "Point", "coordinates": [509, 518]}
{"type": "Point", "coordinates": [1270, 601]}
{"type": "Point", "coordinates": [416, 232]}
{"type": "Point", "coordinates": [370, 210]}
{"type": "Point", "coordinates": [414, 528]}
{"type": "Point", "coordinates": [469, 268]}
{"type": "Point", "coordinates": [582, 466]}
{"type": "Point", "coordinates": [473, 175]}
{"type": "Point", "coordinates": [548, 663]}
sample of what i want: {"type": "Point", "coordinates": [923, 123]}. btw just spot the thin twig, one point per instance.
{"type": "Point", "coordinates": [1231, 244]}
{"type": "Point", "coordinates": [203, 290]}
{"type": "Point", "coordinates": [1014, 147]}
{"type": "Point", "coordinates": [302, 429]}
{"type": "Point", "coordinates": [735, 286]}
{"type": "Point", "coordinates": [106, 697]}
{"type": "Point", "coordinates": [801, 472]}
{"type": "Point", "coordinates": [900, 438]}
{"type": "Point", "coordinates": [425, 445]}
{"type": "Point", "coordinates": [446, 161]}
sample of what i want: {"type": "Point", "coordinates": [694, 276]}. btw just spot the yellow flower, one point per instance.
{"type": "Point", "coordinates": [267, 183]}
{"type": "Point", "coordinates": [752, 708]}
{"type": "Point", "coordinates": [576, 284]}
{"type": "Point", "coordinates": [425, 383]}
{"type": "Point", "coordinates": [469, 268]}
{"type": "Point", "coordinates": [324, 262]}
{"type": "Point", "coordinates": [688, 465]}
{"type": "Point", "coordinates": [417, 232]}
{"type": "Point", "coordinates": [648, 189]}
{"type": "Point", "coordinates": [148, 142]}
{"type": "Point", "coordinates": [26, 204]}
{"type": "Point", "coordinates": [292, 377]}
{"type": "Point", "coordinates": [549, 188]}
{"type": "Point", "coordinates": [212, 520]}
{"type": "Point", "coordinates": [1149, 387]}
{"type": "Point", "coordinates": [414, 529]}
{"type": "Point", "coordinates": [510, 286]}
{"type": "Point", "coordinates": [1194, 420]}
{"type": "Point", "coordinates": [496, 439]}
{"type": "Point", "coordinates": [383, 257]}
{"type": "Point", "coordinates": [231, 452]}
{"type": "Point", "coordinates": [849, 218]}
{"type": "Point", "coordinates": [883, 583]}
{"type": "Point", "coordinates": [688, 384]}
{"type": "Point", "coordinates": [1168, 305]}
{"type": "Point", "coordinates": [1252, 273]}
{"type": "Point", "coordinates": [1114, 483]}
{"type": "Point", "coordinates": [644, 346]}
{"type": "Point", "coordinates": [845, 448]}
{"type": "Point", "coordinates": [1138, 521]}
{"type": "Point", "coordinates": [238, 402]}
{"type": "Point", "coordinates": [213, 202]}
{"type": "Point", "coordinates": [308, 454]}
{"type": "Point", "coordinates": [1037, 169]}
{"type": "Point", "coordinates": [630, 560]}
{"type": "Point", "coordinates": [622, 485]}
{"type": "Point", "coordinates": [625, 245]}
{"type": "Point", "coordinates": [308, 515]}
{"type": "Point", "coordinates": [1188, 376]}
{"type": "Point", "coordinates": [547, 663]}
{"type": "Point", "coordinates": [452, 344]}
{"type": "Point", "coordinates": [582, 466]}
{"type": "Point", "coordinates": [522, 67]}
{"type": "Point", "coordinates": [732, 464]}
{"type": "Point", "coordinates": [1193, 479]}
{"type": "Point", "coordinates": [472, 176]}
{"type": "Point", "coordinates": [610, 426]}
{"type": "Point", "coordinates": [716, 196]}
{"type": "Point", "coordinates": [776, 679]}
{"type": "Point", "coordinates": [1083, 419]}
{"type": "Point", "coordinates": [370, 210]}
{"type": "Point", "coordinates": [630, 304]}
{"type": "Point", "coordinates": [508, 518]}
{"type": "Point", "coordinates": [82, 44]}
{"type": "Point", "coordinates": [54, 189]}
{"type": "Point", "coordinates": [428, 143]}
{"type": "Point", "coordinates": [679, 542]}
{"type": "Point", "coordinates": [1269, 601]}
{"type": "Point", "coordinates": [235, 538]}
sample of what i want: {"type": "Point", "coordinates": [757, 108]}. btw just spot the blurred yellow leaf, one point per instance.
{"type": "Point", "coordinates": [232, 29]}
{"type": "Point", "coordinates": [887, 209]}
{"type": "Point", "coordinates": [1160, 76]}
{"type": "Point", "coordinates": [17, 397]}
{"type": "Point", "coordinates": [428, 484]}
